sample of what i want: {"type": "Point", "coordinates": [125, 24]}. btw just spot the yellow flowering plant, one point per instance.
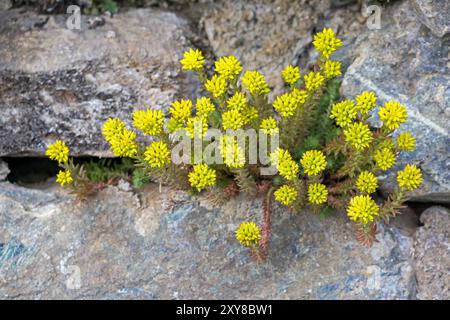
{"type": "Point", "coordinates": [328, 156]}
{"type": "Point", "coordinates": [73, 176]}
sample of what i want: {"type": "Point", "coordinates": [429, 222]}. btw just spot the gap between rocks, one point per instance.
{"type": "Point", "coordinates": [33, 172]}
{"type": "Point", "coordinates": [30, 172]}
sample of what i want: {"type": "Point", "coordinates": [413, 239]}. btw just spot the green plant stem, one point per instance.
{"type": "Point", "coordinates": [295, 129]}
{"type": "Point", "coordinates": [262, 105]}
{"type": "Point", "coordinates": [300, 187]}
{"type": "Point", "coordinates": [393, 204]}
{"type": "Point", "coordinates": [245, 180]}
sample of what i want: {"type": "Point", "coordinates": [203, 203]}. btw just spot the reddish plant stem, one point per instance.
{"type": "Point", "coordinates": [266, 231]}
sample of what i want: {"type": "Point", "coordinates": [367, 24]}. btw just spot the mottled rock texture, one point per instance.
{"type": "Point", "coordinates": [432, 254]}
{"type": "Point", "coordinates": [270, 34]}
{"type": "Point", "coordinates": [167, 245]}
{"type": "Point", "coordinates": [61, 83]}
{"type": "Point", "coordinates": [4, 170]}
{"type": "Point", "coordinates": [404, 61]}
{"type": "Point", "coordinates": [435, 14]}
{"type": "Point", "coordinates": [5, 5]}
{"type": "Point", "coordinates": [265, 35]}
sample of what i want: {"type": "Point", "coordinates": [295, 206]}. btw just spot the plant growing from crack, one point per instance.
{"type": "Point", "coordinates": [85, 179]}
{"type": "Point", "coordinates": [328, 156]}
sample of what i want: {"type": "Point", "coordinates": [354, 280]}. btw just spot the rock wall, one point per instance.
{"type": "Point", "coordinates": [405, 61]}
{"type": "Point", "coordinates": [431, 256]}
{"type": "Point", "coordinates": [4, 170]}
{"type": "Point", "coordinates": [168, 245]}
{"type": "Point", "coordinates": [61, 83]}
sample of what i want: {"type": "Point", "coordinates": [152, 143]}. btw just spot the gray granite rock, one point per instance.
{"type": "Point", "coordinates": [435, 14]}
{"type": "Point", "coordinates": [432, 254]}
{"type": "Point", "coordinates": [4, 170]}
{"type": "Point", "coordinates": [404, 61]}
{"type": "Point", "coordinates": [168, 245]}
{"type": "Point", "coordinates": [61, 83]}
{"type": "Point", "coordinates": [5, 5]}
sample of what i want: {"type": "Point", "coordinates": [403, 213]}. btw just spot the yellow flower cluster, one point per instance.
{"type": "Point", "coordinates": [362, 209]}
{"type": "Point", "coordinates": [332, 69]}
{"type": "Point", "coordinates": [255, 83]}
{"type": "Point", "coordinates": [249, 114]}
{"type": "Point", "coordinates": [64, 177]}
{"type": "Point", "coordinates": [196, 127]}
{"type": "Point", "coordinates": [150, 122]}
{"type": "Point", "coordinates": [248, 234]}
{"type": "Point", "coordinates": [238, 101]}
{"type": "Point", "coordinates": [228, 67]}
{"type": "Point", "coordinates": [384, 158]}
{"type": "Point", "coordinates": [233, 155]}
{"type": "Point", "coordinates": [202, 177]}
{"type": "Point", "coordinates": [367, 182]}
{"type": "Point", "coordinates": [285, 195]}
{"type": "Point", "coordinates": [58, 151]}
{"type": "Point", "coordinates": [204, 107]}
{"type": "Point", "coordinates": [313, 162]}
{"type": "Point", "coordinates": [124, 144]}
{"type": "Point", "coordinates": [326, 42]}
{"type": "Point", "coordinates": [232, 119]}
{"type": "Point", "coordinates": [112, 127]}
{"type": "Point", "coordinates": [217, 85]}
{"type": "Point", "coordinates": [181, 109]}
{"type": "Point", "coordinates": [299, 96]}
{"type": "Point", "coordinates": [193, 60]}
{"type": "Point", "coordinates": [287, 167]}
{"type": "Point", "coordinates": [393, 114]}
{"type": "Point", "coordinates": [291, 74]}
{"type": "Point", "coordinates": [313, 81]}
{"type": "Point", "coordinates": [365, 102]}
{"type": "Point", "coordinates": [406, 141]}
{"type": "Point", "coordinates": [269, 126]}
{"type": "Point", "coordinates": [409, 178]}
{"type": "Point", "coordinates": [157, 154]}
{"type": "Point", "coordinates": [317, 193]}
{"type": "Point", "coordinates": [358, 135]}
{"type": "Point", "coordinates": [285, 105]}
{"type": "Point", "coordinates": [343, 112]}
{"type": "Point", "coordinates": [122, 141]}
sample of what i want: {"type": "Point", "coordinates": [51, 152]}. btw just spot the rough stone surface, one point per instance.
{"type": "Point", "coordinates": [265, 35]}
{"type": "Point", "coordinates": [167, 245]}
{"type": "Point", "coordinates": [268, 35]}
{"type": "Point", "coordinates": [4, 170]}
{"type": "Point", "coordinates": [432, 254]}
{"type": "Point", "coordinates": [435, 14]}
{"type": "Point", "coordinates": [61, 83]}
{"type": "Point", "coordinates": [404, 61]}
{"type": "Point", "coordinates": [5, 5]}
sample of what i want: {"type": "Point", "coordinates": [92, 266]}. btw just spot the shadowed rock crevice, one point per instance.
{"type": "Point", "coordinates": [33, 172]}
